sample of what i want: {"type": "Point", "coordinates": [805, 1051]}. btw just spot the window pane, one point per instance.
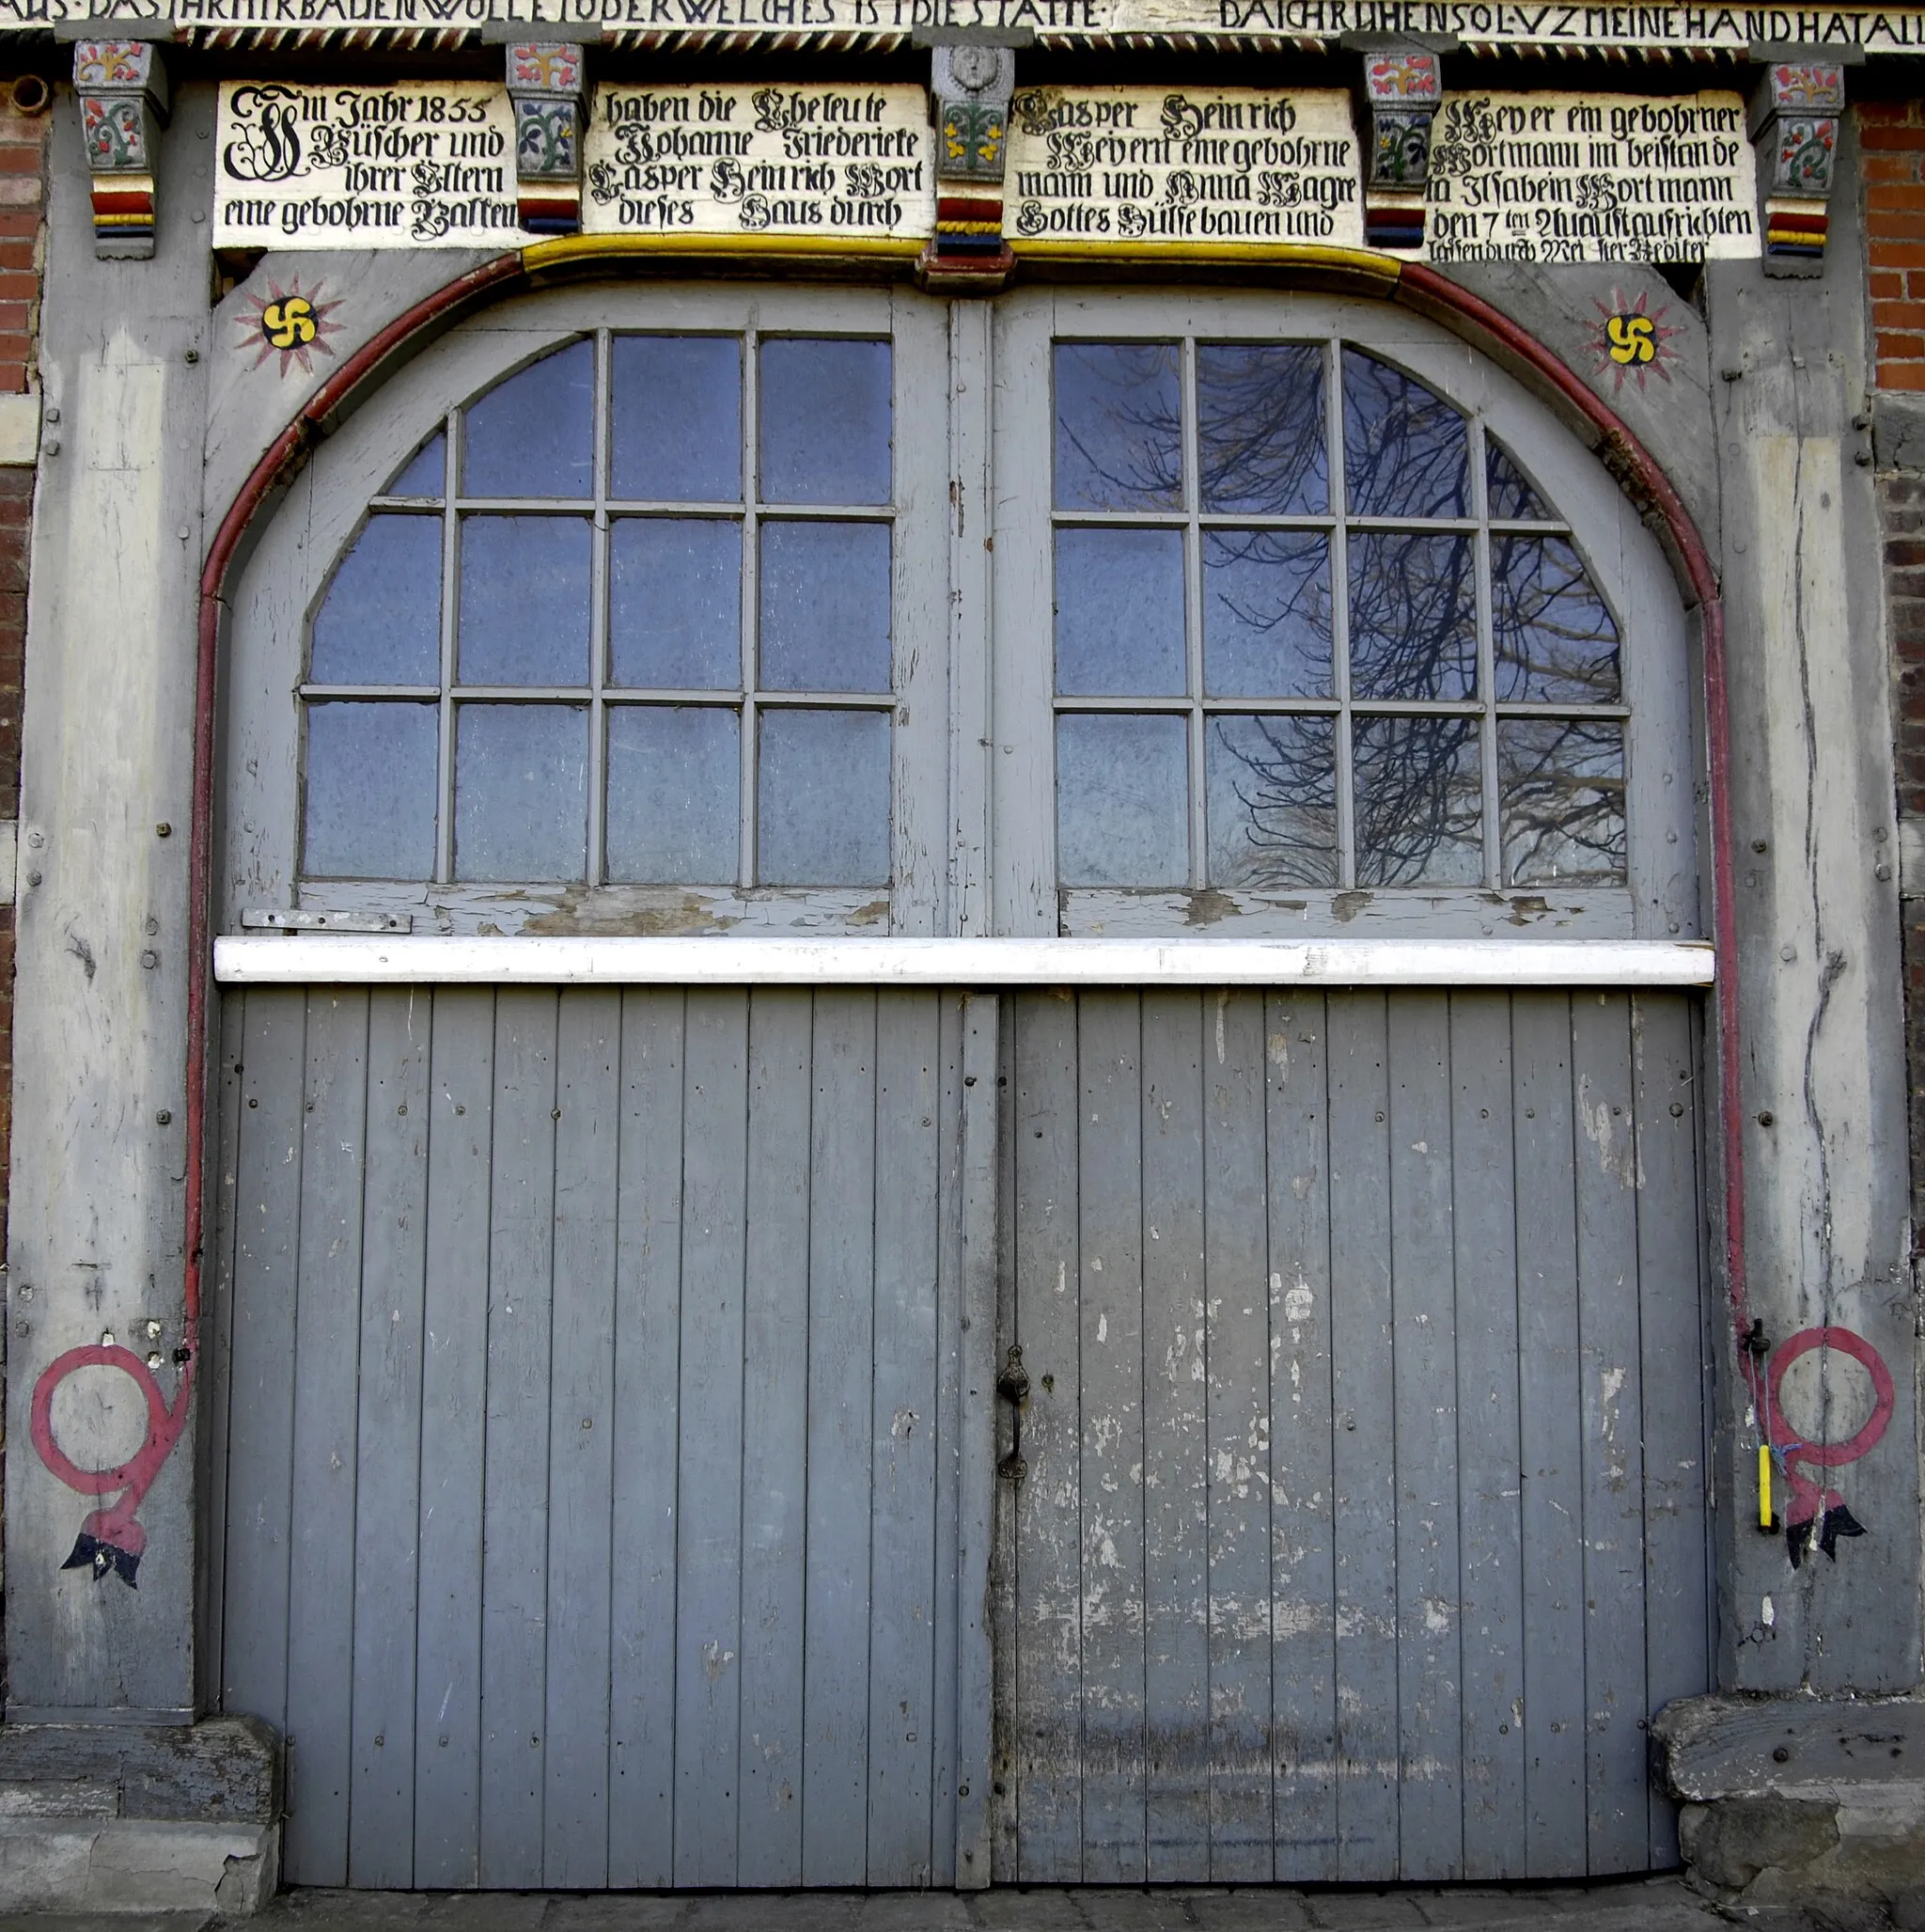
{"type": "Point", "coordinates": [1122, 801]}
{"type": "Point", "coordinates": [1266, 613]}
{"type": "Point", "coordinates": [825, 607]}
{"type": "Point", "coordinates": [824, 798]}
{"type": "Point", "coordinates": [1271, 801]}
{"type": "Point", "coordinates": [674, 793]}
{"type": "Point", "coordinates": [1555, 642]}
{"type": "Point", "coordinates": [427, 474]}
{"type": "Point", "coordinates": [371, 792]}
{"type": "Point", "coordinates": [1420, 801]}
{"type": "Point", "coordinates": [380, 622]}
{"type": "Point", "coordinates": [1505, 489]}
{"type": "Point", "coordinates": [676, 418]}
{"type": "Point", "coordinates": [524, 600]}
{"type": "Point", "coordinates": [1120, 613]}
{"type": "Point", "coordinates": [826, 420]}
{"type": "Point", "coordinates": [1120, 424]}
{"type": "Point", "coordinates": [1260, 428]}
{"type": "Point", "coordinates": [675, 603]}
{"type": "Point", "coordinates": [1413, 615]}
{"type": "Point", "coordinates": [534, 435]}
{"type": "Point", "coordinates": [522, 792]}
{"type": "Point", "coordinates": [1561, 791]}
{"type": "Point", "coordinates": [1405, 451]}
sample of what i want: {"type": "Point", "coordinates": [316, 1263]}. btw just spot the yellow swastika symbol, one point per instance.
{"type": "Point", "coordinates": [1633, 339]}
{"type": "Point", "coordinates": [289, 323]}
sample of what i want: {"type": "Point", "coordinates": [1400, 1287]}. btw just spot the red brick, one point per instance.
{"type": "Point", "coordinates": [1901, 375]}
{"type": "Point", "coordinates": [1875, 138]}
{"type": "Point", "coordinates": [1878, 169]}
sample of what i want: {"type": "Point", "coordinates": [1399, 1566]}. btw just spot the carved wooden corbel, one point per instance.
{"type": "Point", "coordinates": [547, 84]}
{"type": "Point", "coordinates": [122, 87]}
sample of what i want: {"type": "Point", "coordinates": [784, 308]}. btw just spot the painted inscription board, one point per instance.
{"type": "Point", "coordinates": [419, 163]}
{"type": "Point", "coordinates": [1132, 165]}
{"type": "Point", "coordinates": [821, 159]}
{"type": "Point", "coordinates": [1482, 23]}
{"type": "Point", "coordinates": [1574, 178]}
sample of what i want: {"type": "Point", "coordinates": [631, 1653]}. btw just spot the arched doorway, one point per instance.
{"type": "Point", "coordinates": [603, 1401]}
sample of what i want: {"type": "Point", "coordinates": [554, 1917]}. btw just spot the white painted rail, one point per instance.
{"type": "Point", "coordinates": [306, 959]}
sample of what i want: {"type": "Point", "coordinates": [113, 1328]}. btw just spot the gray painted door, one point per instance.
{"type": "Point", "coordinates": [1363, 1516]}
{"type": "Point", "coordinates": [588, 1439]}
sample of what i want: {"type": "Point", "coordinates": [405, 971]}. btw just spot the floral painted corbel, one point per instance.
{"type": "Point", "coordinates": [1794, 122]}
{"type": "Point", "coordinates": [1402, 90]}
{"type": "Point", "coordinates": [122, 87]}
{"type": "Point", "coordinates": [972, 78]}
{"type": "Point", "coordinates": [547, 83]}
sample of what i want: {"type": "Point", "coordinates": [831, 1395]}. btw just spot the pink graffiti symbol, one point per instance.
{"type": "Point", "coordinates": [1813, 1506]}
{"type": "Point", "coordinates": [110, 1538]}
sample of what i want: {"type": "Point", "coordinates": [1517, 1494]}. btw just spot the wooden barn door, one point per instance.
{"type": "Point", "coordinates": [591, 1434]}
{"type": "Point", "coordinates": [1361, 1512]}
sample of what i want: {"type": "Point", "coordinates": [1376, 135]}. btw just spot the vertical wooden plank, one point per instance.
{"type": "Point", "coordinates": [454, 1420]}
{"type": "Point", "coordinates": [388, 1516]}
{"type": "Point", "coordinates": [1616, 1778]}
{"type": "Point", "coordinates": [1424, 1373]}
{"type": "Point", "coordinates": [327, 1348]}
{"type": "Point", "coordinates": [1363, 1471]}
{"type": "Point", "coordinates": [217, 1348]}
{"type": "Point", "coordinates": [260, 1440]}
{"type": "Point", "coordinates": [1005, 1675]}
{"type": "Point", "coordinates": [952, 1527]}
{"type": "Point", "coordinates": [708, 1556]}
{"type": "Point", "coordinates": [974, 1403]}
{"type": "Point", "coordinates": [774, 1453]}
{"type": "Point", "coordinates": [1048, 1503]}
{"type": "Point", "coordinates": [1550, 1411]}
{"type": "Point", "coordinates": [514, 1557]}
{"type": "Point", "coordinates": [910, 1094]}
{"type": "Point", "coordinates": [1237, 1391]}
{"type": "Point", "coordinates": [1670, 1251]}
{"type": "Point", "coordinates": [1109, 1205]}
{"type": "Point", "coordinates": [841, 1386]}
{"type": "Point", "coordinates": [581, 1439]}
{"type": "Point", "coordinates": [645, 1431]}
{"type": "Point", "coordinates": [1175, 1476]}
{"type": "Point", "coordinates": [1490, 1526]}
{"type": "Point", "coordinates": [1303, 1670]}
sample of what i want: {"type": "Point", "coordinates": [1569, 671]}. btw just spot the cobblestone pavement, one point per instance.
{"type": "Point", "coordinates": [1644, 1904]}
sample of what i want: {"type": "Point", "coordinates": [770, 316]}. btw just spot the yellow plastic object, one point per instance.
{"type": "Point", "coordinates": [1763, 1486]}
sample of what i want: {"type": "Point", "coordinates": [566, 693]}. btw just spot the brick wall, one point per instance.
{"type": "Point", "coordinates": [1891, 138]}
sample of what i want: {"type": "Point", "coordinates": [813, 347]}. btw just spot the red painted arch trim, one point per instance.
{"type": "Point", "coordinates": [1424, 288]}
{"type": "Point", "coordinates": [365, 366]}
{"type": "Point", "coordinates": [1417, 285]}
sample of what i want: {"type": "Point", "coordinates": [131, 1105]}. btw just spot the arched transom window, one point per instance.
{"type": "Point", "coordinates": [696, 608]}
{"type": "Point", "coordinates": [1314, 626]}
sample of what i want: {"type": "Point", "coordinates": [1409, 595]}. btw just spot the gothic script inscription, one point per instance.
{"type": "Point", "coordinates": [743, 160]}
{"type": "Point", "coordinates": [1142, 166]}
{"type": "Point", "coordinates": [1591, 178]}
{"type": "Point", "coordinates": [417, 165]}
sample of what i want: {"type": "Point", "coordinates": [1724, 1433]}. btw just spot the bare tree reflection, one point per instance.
{"type": "Point", "coordinates": [1263, 446]}
{"type": "Point", "coordinates": [1556, 640]}
{"type": "Point", "coordinates": [1406, 452]}
{"type": "Point", "coordinates": [1119, 426]}
{"type": "Point", "coordinates": [1562, 788]}
{"type": "Point", "coordinates": [1273, 803]}
{"type": "Point", "coordinates": [1262, 449]}
{"type": "Point", "coordinates": [1420, 801]}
